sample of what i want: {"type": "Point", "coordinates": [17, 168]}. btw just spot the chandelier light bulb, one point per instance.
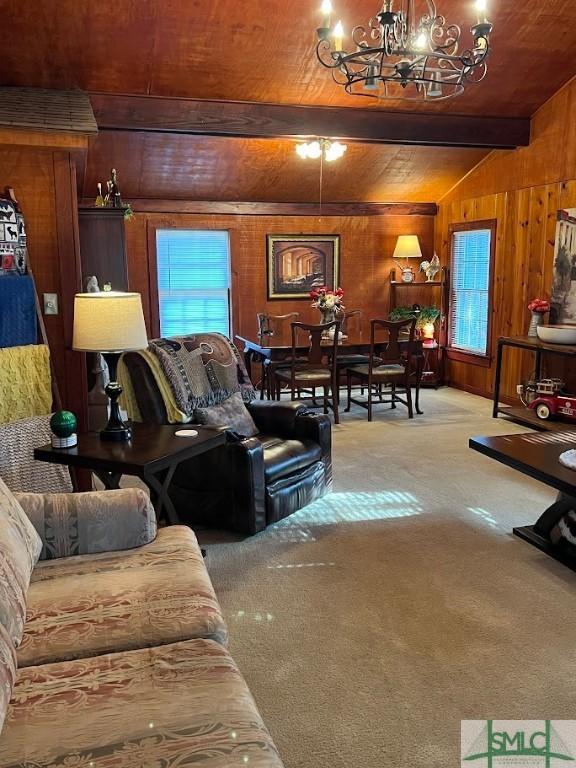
{"type": "Point", "coordinates": [421, 41]}
{"type": "Point", "coordinates": [338, 35]}
{"type": "Point", "coordinates": [302, 151]}
{"type": "Point", "coordinates": [481, 7]}
{"type": "Point", "coordinates": [326, 10]}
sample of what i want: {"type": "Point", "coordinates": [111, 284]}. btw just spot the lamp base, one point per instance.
{"type": "Point", "coordinates": [115, 430]}
{"type": "Point", "coordinates": [116, 434]}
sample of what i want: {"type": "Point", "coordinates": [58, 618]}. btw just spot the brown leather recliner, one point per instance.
{"type": "Point", "coordinates": [248, 483]}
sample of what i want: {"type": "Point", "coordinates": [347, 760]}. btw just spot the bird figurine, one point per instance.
{"type": "Point", "coordinates": [430, 268]}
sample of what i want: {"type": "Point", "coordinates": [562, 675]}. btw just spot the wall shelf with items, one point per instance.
{"type": "Point", "coordinates": [426, 294]}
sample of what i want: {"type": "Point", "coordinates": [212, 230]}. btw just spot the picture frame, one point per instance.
{"type": "Point", "coordinates": [563, 303]}
{"type": "Point", "coordinates": [296, 264]}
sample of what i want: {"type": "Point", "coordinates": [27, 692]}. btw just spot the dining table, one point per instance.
{"type": "Point", "coordinates": [258, 347]}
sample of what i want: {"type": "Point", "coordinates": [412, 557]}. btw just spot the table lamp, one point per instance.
{"type": "Point", "coordinates": [111, 323]}
{"type": "Point", "coordinates": [407, 247]}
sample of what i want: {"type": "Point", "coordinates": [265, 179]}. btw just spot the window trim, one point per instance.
{"type": "Point", "coordinates": [460, 355]}
{"type": "Point", "coordinates": [153, 270]}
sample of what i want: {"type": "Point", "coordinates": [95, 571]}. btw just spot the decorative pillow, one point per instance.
{"type": "Point", "coordinates": [232, 413]}
{"type": "Point", "coordinates": [7, 672]}
{"type": "Point", "coordinates": [20, 548]}
{"type": "Point", "coordinates": [11, 508]}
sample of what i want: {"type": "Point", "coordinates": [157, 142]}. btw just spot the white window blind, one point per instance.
{"type": "Point", "coordinates": [193, 281]}
{"type": "Point", "coordinates": [470, 291]}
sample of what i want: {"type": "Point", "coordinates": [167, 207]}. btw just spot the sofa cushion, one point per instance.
{"type": "Point", "coordinates": [175, 705]}
{"type": "Point", "coordinates": [232, 413]}
{"type": "Point", "coordinates": [284, 457]}
{"type": "Point", "coordinates": [7, 671]}
{"type": "Point", "coordinates": [19, 552]}
{"type": "Point", "coordinates": [94, 604]}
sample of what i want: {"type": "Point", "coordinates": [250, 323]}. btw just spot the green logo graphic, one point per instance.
{"type": "Point", "coordinates": [493, 745]}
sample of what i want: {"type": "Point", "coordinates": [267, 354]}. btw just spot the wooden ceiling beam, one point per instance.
{"type": "Point", "coordinates": [249, 119]}
{"type": "Point", "coordinates": [141, 205]}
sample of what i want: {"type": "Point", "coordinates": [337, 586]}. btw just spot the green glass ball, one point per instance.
{"type": "Point", "coordinates": [63, 423]}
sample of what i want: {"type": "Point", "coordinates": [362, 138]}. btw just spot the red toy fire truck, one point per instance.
{"type": "Point", "coordinates": [546, 399]}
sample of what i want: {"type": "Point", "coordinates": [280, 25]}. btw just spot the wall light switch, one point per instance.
{"type": "Point", "coordinates": [50, 303]}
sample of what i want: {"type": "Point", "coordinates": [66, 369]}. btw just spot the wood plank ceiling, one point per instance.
{"type": "Point", "coordinates": [187, 167]}
{"type": "Point", "coordinates": [264, 52]}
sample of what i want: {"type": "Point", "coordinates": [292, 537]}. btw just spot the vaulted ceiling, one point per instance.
{"type": "Point", "coordinates": [263, 51]}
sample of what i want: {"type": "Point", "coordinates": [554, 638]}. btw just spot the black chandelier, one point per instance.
{"type": "Point", "coordinates": [403, 54]}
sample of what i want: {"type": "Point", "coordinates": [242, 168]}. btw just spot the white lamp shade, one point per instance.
{"type": "Point", "coordinates": [109, 321]}
{"type": "Point", "coordinates": [407, 247]}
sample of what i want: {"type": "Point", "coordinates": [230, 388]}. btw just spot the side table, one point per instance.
{"type": "Point", "coordinates": [153, 454]}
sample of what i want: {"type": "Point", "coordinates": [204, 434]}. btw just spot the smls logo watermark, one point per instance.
{"type": "Point", "coordinates": [518, 743]}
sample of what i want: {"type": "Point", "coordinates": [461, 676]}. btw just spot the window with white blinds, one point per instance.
{"type": "Point", "coordinates": [470, 290]}
{"type": "Point", "coordinates": [193, 281]}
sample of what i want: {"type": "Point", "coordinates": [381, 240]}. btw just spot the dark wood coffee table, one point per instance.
{"type": "Point", "coordinates": [535, 454]}
{"type": "Point", "coordinates": [153, 454]}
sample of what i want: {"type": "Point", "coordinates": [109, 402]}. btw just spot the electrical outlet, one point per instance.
{"type": "Point", "coordinates": [519, 389]}
{"type": "Point", "coordinates": [50, 303]}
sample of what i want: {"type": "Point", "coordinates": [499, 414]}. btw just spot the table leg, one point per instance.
{"type": "Point", "coordinates": [110, 480]}
{"type": "Point", "coordinates": [497, 380]}
{"type": "Point", "coordinates": [419, 372]}
{"type": "Point", "coordinates": [158, 485]}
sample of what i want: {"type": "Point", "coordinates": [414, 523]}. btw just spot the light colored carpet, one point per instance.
{"type": "Point", "coordinates": [369, 624]}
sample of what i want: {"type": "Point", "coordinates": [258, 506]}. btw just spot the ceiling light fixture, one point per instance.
{"type": "Point", "coordinates": [328, 150]}
{"type": "Point", "coordinates": [402, 54]}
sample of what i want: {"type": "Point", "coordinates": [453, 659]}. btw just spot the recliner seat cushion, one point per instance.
{"type": "Point", "coordinates": [285, 457]}
{"type": "Point", "coordinates": [184, 704]}
{"type": "Point", "coordinates": [93, 604]}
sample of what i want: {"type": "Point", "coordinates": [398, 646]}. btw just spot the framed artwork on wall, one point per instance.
{"type": "Point", "coordinates": [296, 264]}
{"type": "Point", "coordinates": [563, 304]}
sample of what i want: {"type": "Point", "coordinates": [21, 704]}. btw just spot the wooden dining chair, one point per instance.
{"type": "Point", "coordinates": [277, 327]}
{"type": "Point", "coordinates": [390, 364]}
{"type": "Point", "coordinates": [317, 369]}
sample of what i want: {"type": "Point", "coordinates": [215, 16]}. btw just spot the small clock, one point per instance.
{"type": "Point", "coordinates": [408, 275]}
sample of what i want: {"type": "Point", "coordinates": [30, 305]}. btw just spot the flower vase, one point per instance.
{"type": "Point", "coordinates": [537, 318]}
{"type": "Point", "coordinates": [328, 316]}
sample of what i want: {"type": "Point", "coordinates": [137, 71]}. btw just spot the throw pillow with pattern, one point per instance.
{"type": "Point", "coordinates": [232, 414]}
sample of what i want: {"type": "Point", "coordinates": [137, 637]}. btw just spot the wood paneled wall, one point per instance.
{"type": "Point", "coordinates": [45, 184]}
{"type": "Point", "coordinates": [522, 190]}
{"type": "Point", "coordinates": [367, 243]}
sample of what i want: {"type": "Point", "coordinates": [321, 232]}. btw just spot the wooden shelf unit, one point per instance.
{"type": "Point", "coordinates": [519, 414]}
{"type": "Point", "coordinates": [434, 293]}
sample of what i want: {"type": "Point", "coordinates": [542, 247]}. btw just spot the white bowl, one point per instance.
{"type": "Point", "coordinates": [557, 334]}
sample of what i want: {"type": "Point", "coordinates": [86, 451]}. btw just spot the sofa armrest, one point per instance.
{"type": "Point", "coordinates": [317, 427]}
{"type": "Point", "coordinates": [276, 418]}
{"type": "Point", "coordinates": [89, 523]}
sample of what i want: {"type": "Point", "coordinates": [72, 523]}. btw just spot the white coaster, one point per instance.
{"type": "Point", "coordinates": [568, 459]}
{"type": "Point", "coordinates": [187, 433]}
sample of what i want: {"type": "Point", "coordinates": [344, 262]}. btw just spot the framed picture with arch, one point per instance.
{"type": "Point", "coordinates": [296, 264]}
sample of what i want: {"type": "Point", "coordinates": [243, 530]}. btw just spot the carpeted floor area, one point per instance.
{"type": "Point", "coordinates": [369, 624]}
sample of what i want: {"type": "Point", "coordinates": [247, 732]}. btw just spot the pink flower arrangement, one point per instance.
{"type": "Point", "coordinates": [540, 306]}
{"type": "Point", "coordinates": [324, 298]}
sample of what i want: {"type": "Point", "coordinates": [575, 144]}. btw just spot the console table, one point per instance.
{"type": "Point", "coordinates": [535, 454]}
{"type": "Point", "coordinates": [519, 414]}
{"type": "Point", "coordinates": [152, 455]}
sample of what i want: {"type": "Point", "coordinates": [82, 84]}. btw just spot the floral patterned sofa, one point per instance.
{"type": "Point", "coordinates": [112, 646]}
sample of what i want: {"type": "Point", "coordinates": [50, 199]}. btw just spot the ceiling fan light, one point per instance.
{"type": "Point", "coordinates": [334, 151]}
{"type": "Point", "coordinates": [314, 150]}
